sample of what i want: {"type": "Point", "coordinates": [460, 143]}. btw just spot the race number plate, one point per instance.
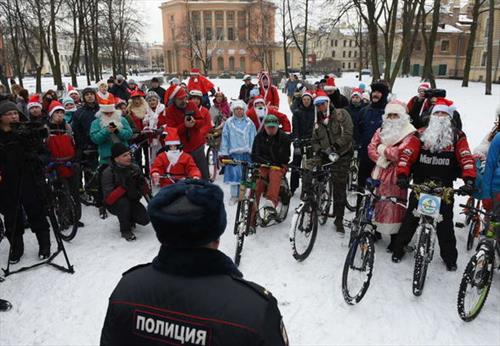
{"type": "Point", "coordinates": [429, 204]}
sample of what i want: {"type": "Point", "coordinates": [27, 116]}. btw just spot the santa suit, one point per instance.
{"type": "Point", "coordinates": [283, 119]}
{"type": "Point", "coordinates": [183, 168]}
{"type": "Point", "coordinates": [270, 93]}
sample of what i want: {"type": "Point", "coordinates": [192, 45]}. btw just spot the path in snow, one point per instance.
{"type": "Point", "coordinates": [52, 308]}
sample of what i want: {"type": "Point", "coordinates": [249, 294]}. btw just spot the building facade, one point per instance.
{"type": "Point", "coordinates": [218, 35]}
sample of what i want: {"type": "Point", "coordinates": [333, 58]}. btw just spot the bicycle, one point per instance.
{"type": "Point", "coordinates": [247, 215]}
{"type": "Point", "coordinates": [473, 220]}
{"type": "Point", "coordinates": [478, 275]}
{"type": "Point", "coordinates": [429, 195]}
{"type": "Point", "coordinates": [65, 208]}
{"type": "Point", "coordinates": [305, 221]}
{"type": "Point", "coordinates": [352, 183]}
{"type": "Point", "coordinates": [361, 254]}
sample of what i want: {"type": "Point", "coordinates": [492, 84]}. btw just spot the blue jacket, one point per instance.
{"type": "Point", "coordinates": [237, 136]}
{"type": "Point", "coordinates": [102, 137]}
{"type": "Point", "coordinates": [291, 86]}
{"type": "Point", "coordinates": [370, 120]}
{"type": "Point", "coordinates": [491, 177]}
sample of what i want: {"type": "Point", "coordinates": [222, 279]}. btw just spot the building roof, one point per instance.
{"type": "Point", "coordinates": [448, 29]}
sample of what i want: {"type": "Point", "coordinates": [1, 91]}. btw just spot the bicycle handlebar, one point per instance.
{"type": "Point", "coordinates": [249, 164]}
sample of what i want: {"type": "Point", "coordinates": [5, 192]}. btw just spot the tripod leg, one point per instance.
{"type": "Point", "coordinates": [60, 243]}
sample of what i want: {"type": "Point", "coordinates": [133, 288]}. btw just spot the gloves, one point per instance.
{"type": "Point", "coordinates": [468, 188]}
{"type": "Point", "coordinates": [403, 182]}
{"type": "Point", "coordinates": [487, 204]}
{"type": "Point", "coordinates": [156, 178]}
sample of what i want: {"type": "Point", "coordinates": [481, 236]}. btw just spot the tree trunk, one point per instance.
{"type": "Point", "coordinates": [55, 51]}
{"type": "Point", "coordinates": [360, 77]}
{"type": "Point", "coordinates": [489, 49]}
{"type": "Point", "coordinates": [95, 40]}
{"type": "Point", "coordinates": [430, 42]}
{"type": "Point", "coordinates": [284, 37]}
{"type": "Point", "coordinates": [304, 43]}
{"type": "Point", "coordinates": [472, 40]}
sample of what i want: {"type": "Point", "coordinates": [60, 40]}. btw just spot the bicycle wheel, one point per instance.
{"type": "Point", "coordinates": [212, 162]}
{"type": "Point", "coordinates": [325, 201]}
{"type": "Point", "coordinates": [66, 214]}
{"type": "Point", "coordinates": [303, 231]}
{"type": "Point", "coordinates": [241, 227]}
{"type": "Point", "coordinates": [475, 286]}
{"type": "Point", "coordinates": [469, 215]}
{"type": "Point", "coordinates": [421, 262]}
{"type": "Point", "coordinates": [358, 268]}
{"type": "Point", "coordinates": [285, 196]}
{"type": "Point", "coordinates": [472, 233]}
{"type": "Point", "coordinates": [352, 183]}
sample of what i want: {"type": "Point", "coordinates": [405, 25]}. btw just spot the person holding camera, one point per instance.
{"type": "Point", "coordinates": [418, 104]}
{"type": "Point", "coordinates": [123, 186]}
{"type": "Point", "coordinates": [192, 126]}
{"type": "Point", "coordinates": [22, 184]}
{"type": "Point", "coordinates": [332, 139]}
{"type": "Point", "coordinates": [109, 128]}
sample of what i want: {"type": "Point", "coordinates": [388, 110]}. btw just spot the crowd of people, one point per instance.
{"type": "Point", "coordinates": [134, 137]}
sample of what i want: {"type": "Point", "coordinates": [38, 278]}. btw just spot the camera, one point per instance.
{"type": "Point", "coordinates": [430, 93]}
{"type": "Point", "coordinates": [188, 115]}
{"type": "Point", "coordinates": [112, 124]}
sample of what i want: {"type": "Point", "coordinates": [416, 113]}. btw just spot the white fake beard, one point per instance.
{"type": "Point", "coordinates": [173, 156]}
{"type": "Point", "coordinates": [391, 130]}
{"type": "Point", "coordinates": [325, 121]}
{"type": "Point", "coordinates": [115, 118]}
{"type": "Point", "coordinates": [261, 112]}
{"type": "Point", "coordinates": [439, 134]}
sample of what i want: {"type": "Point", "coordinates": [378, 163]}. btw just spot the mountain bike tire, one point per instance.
{"type": "Point", "coordinates": [421, 262]}
{"type": "Point", "coordinates": [241, 227]}
{"type": "Point", "coordinates": [304, 223]}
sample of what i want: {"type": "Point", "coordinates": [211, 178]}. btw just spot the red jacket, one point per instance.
{"type": "Point", "coordinates": [283, 119]}
{"type": "Point", "coordinates": [443, 164]}
{"type": "Point", "coordinates": [183, 168]}
{"type": "Point", "coordinates": [200, 83]}
{"type": "Point", "coordinates": [191, 138]}
{"type": "Point", "coordinates": [271, 96]}
{"type": "Point", "coordinates": [61, 145]}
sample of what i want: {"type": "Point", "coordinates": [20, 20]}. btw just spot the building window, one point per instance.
{"type": "Point", "coordinates": [487, 27]}
{"type": "Point", "coordinates": [333, 54]}
{"type": "Point", "coordinates": [345, 43]}
{"type": "Point", "coordinates": [289, 59]}
{"type": "Point", "coordinates": [343, 54]}
{"type": "Point", "coordinates": [336, 43]}
{"type": "Point", "coordinates": [355, 65]}
{"type": "Point", "coordinates": [220, 63]}
{"type": "Point", "coordinates": [171, 18]}
{"type": "Point", "coordinates": [208, 34]}
{"type": "Point", "coordinates": [242, 26]}
{"type": "Point", "coordinates": [242, 64]}
{"type": "Point", "coordinates": [483, 59]}
{"type": "Point", "coordinates": [219, 33]}
{"type": "Point", "coordinates": [418, 45]}
{"type": "Point", "coordinates": [230, 34]}
{"type": "Point", "coordinates": [343, 65]}
{"type": "Point", "coordinates": [219, 17]}
{"type": "Point", "coordinates": [349, 53]}
{"type": "Point", "coordinates": [231, 63]}
{"type": "Point", "coordinates": [207, 18]}
{"type": "Point", "coordinates": [230, 16]}
{"type": "Point", "coordinates": [349, 65]}
{"type": "Point", "coordinates": [331, 43]}
{"type": "Point", "coordinates": [355, 53]}
{"type": "Point", "coordinates": [445, 45]}
{"type": "Point", "coordinates": [350, 43]}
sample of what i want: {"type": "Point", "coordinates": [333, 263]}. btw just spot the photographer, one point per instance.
{"type": "Point", "coordinates": [22, 181]}
{"type": "Point", "coordinates": [123, 185]}
{"type": "Point", "coordinates": [192, 126]}
{"type": "Point", "coordinates": [433, 96]}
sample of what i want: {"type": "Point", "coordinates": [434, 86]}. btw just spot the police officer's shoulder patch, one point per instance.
{"type": "Point", "coordinates": [255, 287]}
{"type": "Point", "coordinates": [139, 266]}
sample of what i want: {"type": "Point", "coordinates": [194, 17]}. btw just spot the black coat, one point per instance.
{"type": "Point", "coordinates": [355, 112]}
{"type": "Point", "coordinates": [120, 91]}
{"type": "Point", "coordinates": [245, 92]}
{"type": "Point", "coordinates": [338, 100]}
{"type": "Point", "coordinates": [190, 297]}
{"type": "Point", "coordinates": [129, 178]}
{"type": "Point", "coordinates": [160, 91]}
{"type": "Point", "coordinates": [82, 119]}
{"type": "Point", "coordinates": [273, 150]}
{"type": "Point", "coordinates": [303, 120]}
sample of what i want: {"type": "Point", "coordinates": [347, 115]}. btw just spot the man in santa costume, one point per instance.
{"type": "Point", "coordinates": [438, 152]}
{"type": "Point", "coordinates": [201, 83]}
{"type": "Point", "coordinates": [268, 91]}
{"type": "Point", "coordinates": [386, 146]}
{"type": "Point", "coordinates": [192, 126]}
{"type": "Point", "coordinates": [259, 111]}
{"type": "Point", "coordinates": [173, 161]}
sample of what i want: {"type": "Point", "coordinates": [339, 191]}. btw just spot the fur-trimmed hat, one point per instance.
{"type": "Point", "coordinates": [395, 107]}
{"type": "Point", "coordinates": [172, 137]}
{"type": "Point", "coordinates": [444, 105]}
{"type": "Point", "coordinates": [238, 104]}
{"type": "Point", "coordinates": [188, 214]}
{"type": "Point", "coordinates": [55, 106]}
{"type": "Point", "coordinates": [106, 108]}
{"type": "Point", "coordinates": [330, 84]}
{"type": "Point", "coordinates": [34, 101]}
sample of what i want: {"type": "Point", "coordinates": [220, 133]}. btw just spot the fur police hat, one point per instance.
{"type": "Point", "coordinates": [188, 214]}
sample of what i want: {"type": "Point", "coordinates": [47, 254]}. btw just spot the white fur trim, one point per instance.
{"type": "Point", "coordinates": [395, 108]}
{"type": "Point", "coordinates": [442, 108]}
{"type": "Point", "coordinates": [56, 108]}
{"type": "Point", "coordinates": [176, 90]}
{"type": "Point", "coordinates": [34, 104]}
{"type": "Point", "coordinates": [74, 91]}
{"type": "Point", "coordinates": [107, 108]}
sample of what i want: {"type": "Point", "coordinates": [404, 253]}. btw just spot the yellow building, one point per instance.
{"type": "Point", "coordinates": [294, 59]}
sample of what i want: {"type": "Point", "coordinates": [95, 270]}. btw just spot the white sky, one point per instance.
{"type": "Point", "coordinates": [152, 19]}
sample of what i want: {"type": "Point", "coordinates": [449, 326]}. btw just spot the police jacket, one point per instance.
{"type": "Point", "coordinates": [191, 297]}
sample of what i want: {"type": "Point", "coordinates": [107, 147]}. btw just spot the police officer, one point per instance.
{"type": "Point", "coordinates": [192, 294]}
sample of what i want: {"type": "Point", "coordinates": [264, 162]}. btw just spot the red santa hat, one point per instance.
{"type": "Point", "coordinates": [259, 99]}
{"type": "Point", "coordinates": [423, 86]}
{"type": "Point", "coordinates": [171, 136]}
{"type": "Point", "coordinates": [357, 92]}
{"type": "Point", "coordinates": [54, 106]}
{"type": "Point", "coordinates": [321, 97]}
{"type": "Point", "coordinates": [330, 84]}
{"type": "Point", "coordinates": [34, 101]}
{"type": "Point", "coordinates": [137, 93]}
{"type": "Point", "coordinates": [444, 105]}
{"type": "Point", "coordinates": [195, 92]}
{"type": "Point", "coordinates": [175, 91]}
{"type": "Point", "coordinates": [308, 93]}
{"type": "Point", "coordinates": [72, 90]}
{"type": "Point", "coordinates": [195, 71]}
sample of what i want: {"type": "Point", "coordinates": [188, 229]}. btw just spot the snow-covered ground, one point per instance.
{"type": "Point", "coordinates": [53, 308]}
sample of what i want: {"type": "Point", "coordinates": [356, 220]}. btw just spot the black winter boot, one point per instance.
{"type": "Point", "coordinates": [16, 250]}
{"type": "Point", "coordinates": [43, 244]}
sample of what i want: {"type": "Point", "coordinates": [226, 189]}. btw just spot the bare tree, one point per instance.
{"type": "Point", "coordinates": [260, 42]}
{"type": "Point", "coordinates": [300, 43]}
{"type": "Point", "coordinates": [472, 41]}
{"type": "Point", "coordinates": [489, 47]}
{"type": "Point", "coordinates": [429, 40]}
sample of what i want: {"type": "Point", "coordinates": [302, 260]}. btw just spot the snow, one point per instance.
{"type": "Point", "coordinates": [449, 29]}
{"type": "Point", "coordinates": [53, 308]}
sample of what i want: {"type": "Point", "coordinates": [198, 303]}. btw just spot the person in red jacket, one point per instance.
{"type": "Point", "coordinates": [191, 126]}
{"type": "Point", "coordinates": [439, 152]}
{"type": "Point", "coordinates": [197, 97]}
{"type": "Point", "coordinates": [201, 83]}
{"type": "Point", "coordinates": [268, 91]}
{"type": "Point", "coordinates": [173, 161]}
{"type": "Point", "coordinates": [259, 111]}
